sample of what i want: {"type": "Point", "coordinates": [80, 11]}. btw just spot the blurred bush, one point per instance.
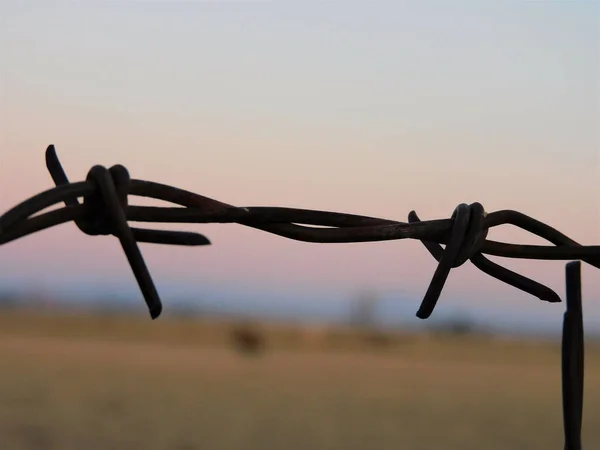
{"type": "Point", "coordinates": [248, 339]}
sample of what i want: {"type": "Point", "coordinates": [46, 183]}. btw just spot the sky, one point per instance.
{"type": "Point", "coordinates": [348, 107]}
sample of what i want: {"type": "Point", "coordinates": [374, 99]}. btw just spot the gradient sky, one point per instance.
{"type": "Point", "coordinates": [341, 106]}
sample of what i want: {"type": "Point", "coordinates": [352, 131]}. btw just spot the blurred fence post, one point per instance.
{"type": "Point", "coordinates": [573, 358]}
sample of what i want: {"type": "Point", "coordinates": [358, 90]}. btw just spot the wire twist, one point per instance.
{"type": "Point", "coordinates": [106, 211]}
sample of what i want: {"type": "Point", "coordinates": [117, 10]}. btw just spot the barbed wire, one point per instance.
{"type": "Point", "coordinates": [105, 210]}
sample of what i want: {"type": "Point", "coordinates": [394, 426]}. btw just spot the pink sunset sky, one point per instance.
{"type": "Point", "coordinates": [335, 106]}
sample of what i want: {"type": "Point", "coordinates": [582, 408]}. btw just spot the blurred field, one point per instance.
{"type": "Point", "coordinates": [70, 382]}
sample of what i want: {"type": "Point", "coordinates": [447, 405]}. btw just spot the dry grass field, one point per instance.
{"type": "Point", "coordinates": [86, 383]}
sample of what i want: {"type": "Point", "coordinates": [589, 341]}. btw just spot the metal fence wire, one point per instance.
{"type": "Point", "coordinates": [105, 210]}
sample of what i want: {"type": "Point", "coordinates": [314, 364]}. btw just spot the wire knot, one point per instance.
{"type": "Point", "coordinates": [467, 237]}
{"type": "Point", "coordinates": [470, 231]}
{"type": "Point", "coordinates": [111, 189]}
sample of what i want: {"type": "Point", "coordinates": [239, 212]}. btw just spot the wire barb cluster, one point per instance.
{"type": "Point", "coordinates": [105, 210]}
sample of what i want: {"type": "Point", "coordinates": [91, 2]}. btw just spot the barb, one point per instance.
{"type": "Point", "coordinates": [105, 210]}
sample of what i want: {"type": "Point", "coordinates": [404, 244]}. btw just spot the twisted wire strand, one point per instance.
{"type": "Point", "coordinates": [106, 211]}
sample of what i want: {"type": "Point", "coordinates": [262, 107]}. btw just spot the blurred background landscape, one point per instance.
{"type": "Point", "coordinates": [76, 379]}
{"type": "Point", "coordinates": [268, 343]}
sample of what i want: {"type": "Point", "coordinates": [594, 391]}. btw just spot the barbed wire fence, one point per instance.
{"type": "Point", "coordinates": [105, 210]}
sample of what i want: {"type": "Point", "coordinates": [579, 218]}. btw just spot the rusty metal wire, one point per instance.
{"type": "Point", "coordinates": [105, 210]}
